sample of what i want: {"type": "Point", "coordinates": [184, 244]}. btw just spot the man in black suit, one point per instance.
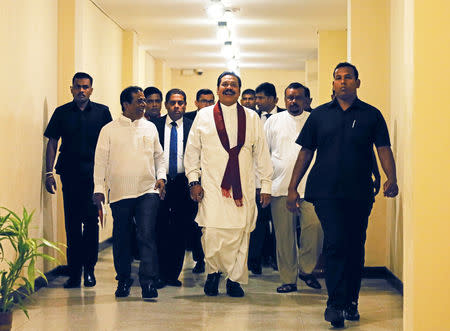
{"type": "Point", "coordinates": [176, 210]}
{"type": "Point", "coordinates": [153, 100]}
{"type": "Point", "coordinates": [266, 100]}
{"type": "Point", "coordinates": [78, 124]}
{"type": "Point", "coordinates": [204, 98]}
{"type": "Point", "coordinates": [262, 239]}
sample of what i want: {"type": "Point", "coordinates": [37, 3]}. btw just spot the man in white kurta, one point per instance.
{"type": "Point", "coordinates": [281, 131]}
{"type": "Point", "coordinates": [227, 220]}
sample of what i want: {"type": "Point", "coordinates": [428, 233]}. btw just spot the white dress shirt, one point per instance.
{"type": "Point", "coordinates": [265, 113]}
{"type": "Point", "coordinates": [167, 132]}
{"type": "Point", "coordinates": [282, 130]}
{"type": "Point", "coordinates": [128, 159]}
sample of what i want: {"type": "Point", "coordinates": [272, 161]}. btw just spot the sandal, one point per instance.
{"type": "Point", "coordinates": [311, 281]}
{"type": "Point", "coordinates": [286, 288]}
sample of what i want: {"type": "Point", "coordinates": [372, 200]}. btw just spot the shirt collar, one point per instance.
{"type": "Point", "coordinates": [355, 105]}
{"type": "Point", "coordinates": [75, 106]}
{"type": "Point", "coordinates": [272, 112]}
{"type": "Point", "coordinates": [169, 120]}
{"type": "Point", "coordinates": [127, 122]}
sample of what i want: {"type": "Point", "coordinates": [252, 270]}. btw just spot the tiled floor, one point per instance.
{"type": "Point", "coordinates": [187, 308]}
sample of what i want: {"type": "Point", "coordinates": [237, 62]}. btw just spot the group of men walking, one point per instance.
{"type": "Point", "coordinates": [160, 173]}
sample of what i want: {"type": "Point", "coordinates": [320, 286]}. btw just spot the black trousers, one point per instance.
{"type": "Point", "coordinates": [260, 238]}
{"type": "Point", "coordinates": [195, 236]}
{"type": "Point", "coordinates": [174, 217]}
{"type": "Point", "coordinates": [81, 222]}
{"type": "Point", "coordinates": [142, 210]}
{"type": "Point", "coordinates": [344, 224]}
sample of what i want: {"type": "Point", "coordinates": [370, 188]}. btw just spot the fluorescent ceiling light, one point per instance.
{"type": "Point", "coordinates": [215, 10]}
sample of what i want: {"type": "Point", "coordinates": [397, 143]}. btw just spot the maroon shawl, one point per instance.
{"type": "Point", "coordinates": [232, 176]}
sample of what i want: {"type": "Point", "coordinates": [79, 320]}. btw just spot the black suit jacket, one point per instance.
{"type": "Point", "coordinates": [191, 115]}
{"type": "Point", "coordinates": [160, 125]}
{"type": "Point", "coordinates": [279, 110]}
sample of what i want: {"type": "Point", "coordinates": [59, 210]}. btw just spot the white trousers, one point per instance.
{"type": "Point", "coordinates": [226, 250]}
{"type": "Point", "coordinates": [290, 259]}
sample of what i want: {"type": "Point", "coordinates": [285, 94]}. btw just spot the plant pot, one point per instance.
{"type": "Point", "coordinates": [5, 320]}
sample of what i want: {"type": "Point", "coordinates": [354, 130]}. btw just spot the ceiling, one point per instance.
{"type": "Point", "coordinates": [278, 34]}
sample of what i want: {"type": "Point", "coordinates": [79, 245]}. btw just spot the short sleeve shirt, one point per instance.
{"type": "Point", "coordinates": [79, 132]}
{"type": "Point", "coordinates": [344, 143]}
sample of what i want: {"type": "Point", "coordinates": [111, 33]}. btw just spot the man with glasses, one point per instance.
{"type": "Point", "coordinates": [176, 211]}
{"type": "Point", "coordinates": [204, 98]}
{"type": "Point", "coordinates": [281, 131]}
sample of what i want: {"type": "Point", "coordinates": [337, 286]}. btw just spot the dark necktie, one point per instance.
{"type": "Point", "coordinates": [267, 115]}
{"type": "Point", "coordinates": [173, 152]}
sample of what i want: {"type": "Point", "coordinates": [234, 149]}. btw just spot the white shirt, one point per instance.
{"type": "Point", "coordinates": [206, 156]}
{"type": "Point", "coordinates": [282, 130]}
{"type": "Point", "coordinates": [265, 113]}
{"type": "Point", "coordinates": [167, 131]}
{"type": "Point", "coordinates": [128, 159]}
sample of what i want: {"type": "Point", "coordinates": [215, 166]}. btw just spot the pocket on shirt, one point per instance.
{"type": "Point", "coordinates": [147, 142]}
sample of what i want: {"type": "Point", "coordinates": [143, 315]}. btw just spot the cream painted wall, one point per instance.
{"type": "Point", "coordinates": [251, 78]}
{"type": "Point", "coordinates": [368, 31]}
{"type": "Point", "coordinates": [146, 71]}
{"type": "Point", "coordinates": [332, 49]}
{"type": "Point", "coordinates": [28, 96]}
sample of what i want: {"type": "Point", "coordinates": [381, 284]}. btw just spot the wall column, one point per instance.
{"type": "Point", "coordinates": [332, 50]}
{"type": "Point", "coordinates": [129, 59]}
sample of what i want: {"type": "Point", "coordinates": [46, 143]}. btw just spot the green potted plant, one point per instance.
{"type": "Point", "coordinates": [18, 273]}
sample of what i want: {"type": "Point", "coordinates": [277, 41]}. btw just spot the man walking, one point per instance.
{"type": "Point", "coordinates": [281, 132]}
{"type": "Point", "coordinates": [129, 168]}
{"type": "Point", "coordinates": [78, 124]}
{"type": "Point", "coordinates": [340, 185]}
{"type": "Point", "coordinates": [225, 145]}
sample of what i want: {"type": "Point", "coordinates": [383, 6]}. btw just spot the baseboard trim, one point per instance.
{"type": "Point", "coordinates": [368, 272]}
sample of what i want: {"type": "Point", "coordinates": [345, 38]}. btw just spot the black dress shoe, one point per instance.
{"type": "Point", "coordinates": [311, 281]}
{"type": "Point", "coordinates": [149, 292]}
{"type": "Point", "coordinates": [255, 268]}
{"type": "Point", "coordinates": [159, 283]}
{"type": "Point", "coordinates": [212, 284]}
{"type": "Point", "coordinates": [123, 288]}
{"type": "Point", "coordinates": [89, 279]}
{"type": "Point", "coordinates": [72, 282]}
{"type": "Point", "coordinates": [351, 312]}
{"type": "Point", "coordinates": [173, 282]}
{"type": "Point", "coordinates": [234, 289]}
{"type": "Point", "coordinates": [335, 317]}
{"type": "Point", "coordinates": [199, 267]}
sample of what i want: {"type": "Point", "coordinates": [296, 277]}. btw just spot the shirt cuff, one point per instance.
{"type": "Point", "coordinates": [266, 187]}
{"type": "Point", "coordinates": [99, 189]}
{"type": "Point", "coordinates": [192, 177]}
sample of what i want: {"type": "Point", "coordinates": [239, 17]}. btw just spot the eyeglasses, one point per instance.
{"type": "Point", "coordinates": [296, 98]}
{"type": "Point", "coordinates": [179, 103]}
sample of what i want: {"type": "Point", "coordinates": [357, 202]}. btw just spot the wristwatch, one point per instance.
{"type": "Point", "coordinates": [195, 182]}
